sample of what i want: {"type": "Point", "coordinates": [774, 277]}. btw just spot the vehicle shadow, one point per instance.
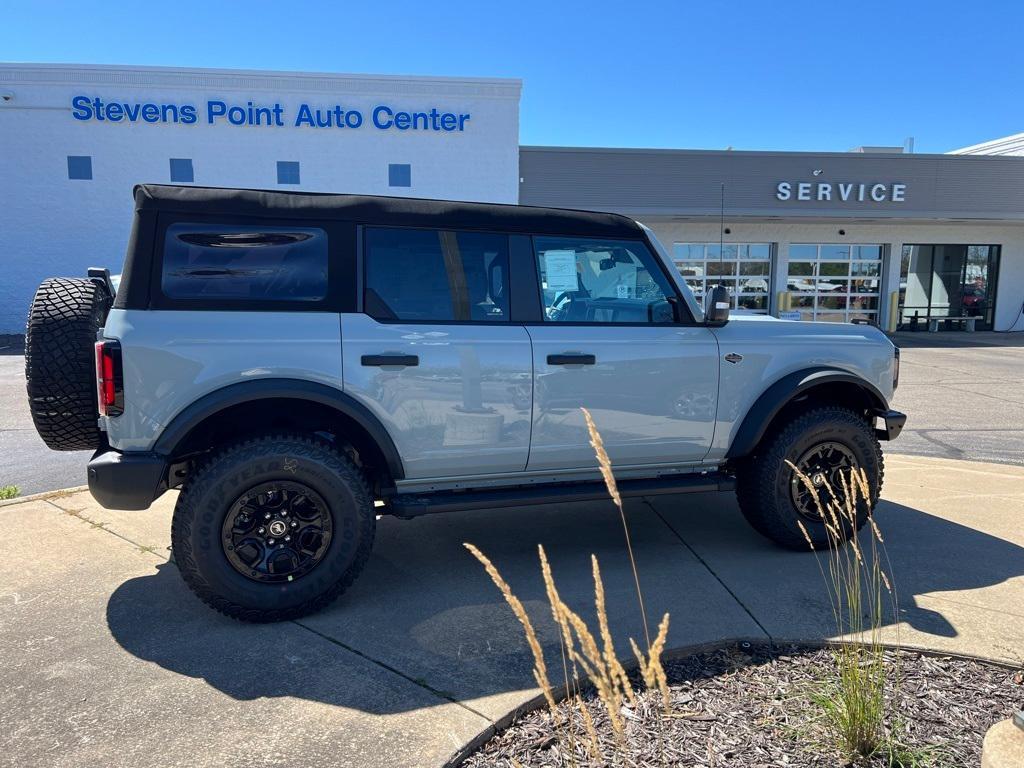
{"type": "Point", "coordinates": [425, 609]}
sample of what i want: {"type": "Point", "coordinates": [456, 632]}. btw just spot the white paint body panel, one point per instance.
{"type": "Point", "coordinates": [173, 358]}
{"type": "Point", "coordinates": [464, 410]}
{"type": "Point", "coordinates": [651, 392]}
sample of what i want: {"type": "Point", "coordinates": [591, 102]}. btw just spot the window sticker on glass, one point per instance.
{"type": "Point", "coordinates": [560, 270]}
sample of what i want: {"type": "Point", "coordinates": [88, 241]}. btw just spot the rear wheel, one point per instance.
{"type": "Point", "coordinates": [823, 444]}
{"type": "Point", "coordinates": [60, 366]}
{"type": "Point", "coordinates": [273, 528]}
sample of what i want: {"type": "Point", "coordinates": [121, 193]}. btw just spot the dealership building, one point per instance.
{"type": "Point", "coordinates": [904, 240]}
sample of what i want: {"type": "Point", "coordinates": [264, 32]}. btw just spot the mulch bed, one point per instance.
{"type": "Point", "coordinates": [748, 707]}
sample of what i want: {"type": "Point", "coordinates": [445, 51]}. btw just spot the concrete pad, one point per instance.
{"type": "Point", "coordinates": [425, 606]}
{"type": "Point", "coordinates": [957, 564]}
{"type": "Point", "coordinates": [148, 528]}
{"type": "Point", "coordinates": [109, 661]}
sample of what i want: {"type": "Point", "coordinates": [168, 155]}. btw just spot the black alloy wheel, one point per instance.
{"type": "Point", "coordinates": [277, 531]}
{"type": "Point", "coordinates": [827, 465]}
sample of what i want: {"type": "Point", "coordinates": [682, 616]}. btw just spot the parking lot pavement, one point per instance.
{"type": "Point", "coordinates": [963, 396]}
{"type": "Point", "coordinates": [25, 461]}
{"type": "Point", "coordinates": [109, 660]}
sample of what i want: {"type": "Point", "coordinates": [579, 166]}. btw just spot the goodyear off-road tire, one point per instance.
{"type": "Point", "coordinates": [60, 366]}
{"type": "Point", "coordinates": [765, 483]}
{"type": "Point", "coordinates": [232, 486]}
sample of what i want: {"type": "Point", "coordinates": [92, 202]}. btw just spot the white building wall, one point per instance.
{"type": "Point", "coordinates": [52, 225]}
{"type": "Point", "coordinates": [1010, 287]}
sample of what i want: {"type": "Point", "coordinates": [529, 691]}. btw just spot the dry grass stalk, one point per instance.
{"type": "Point", "coordinates": [580, 648]}
{"type": "Point", "coordinates": [540, 670]}
{"type": "Point", "coordinates": [650, 667]}
{"type": "Point", "coordinates": [605, 463]}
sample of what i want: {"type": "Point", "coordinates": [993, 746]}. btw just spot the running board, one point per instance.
{"type": "Point", "coordinates": [416, 504]}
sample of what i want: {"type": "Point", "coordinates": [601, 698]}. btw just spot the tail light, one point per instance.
{"type": "Point", "coordinates": [896, 369]}
{"type": "Point", "coordinates": [109, 378]}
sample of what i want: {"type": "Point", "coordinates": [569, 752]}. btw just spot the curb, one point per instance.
{"type": "Point", "coordinates": [44, 495]}
{"type": "Point", "coordinates": [538, 701]}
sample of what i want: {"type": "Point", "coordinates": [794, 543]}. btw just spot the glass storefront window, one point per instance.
{"type": "Point", "coordinates": [744, 268]}
{"type": "Point", "coordinates": [834, 282]}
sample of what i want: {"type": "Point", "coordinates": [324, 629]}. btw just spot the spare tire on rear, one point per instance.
{"type": "Point", "coordinates": [60, 364]}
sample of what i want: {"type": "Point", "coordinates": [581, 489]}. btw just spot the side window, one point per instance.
{"type": "Point", "coordinates": [423, 275]}
{"type": "Point", "coordinates": [601, 281]}
{"type": "Point", "coordinates": [204, 261]}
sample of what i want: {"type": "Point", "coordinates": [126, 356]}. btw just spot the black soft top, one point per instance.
{"type": "Point", "coordinates": [372, 209]}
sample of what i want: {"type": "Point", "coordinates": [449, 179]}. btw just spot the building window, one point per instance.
{"type": "Point", "coordinates": [399, 175]}
{"type": "Point", "coordinates": [834, 283]}
{"type": "Point", "coordinates": [287, 172]}
{"type": "Point", "coordinates": [744, 268]}
{"type": "Point", "coordinates": [80, 167]}
{"type": "Point", "coordinates": [181, 170]}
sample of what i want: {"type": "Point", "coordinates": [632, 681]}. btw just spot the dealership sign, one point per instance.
{"type": "Point", "coordinates": [382, 117]}
{"type": "Point", "coordinates": [841, 191]}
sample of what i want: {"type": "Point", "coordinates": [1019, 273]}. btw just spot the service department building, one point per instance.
{"type": "Point", "coordinates": [903, 240]}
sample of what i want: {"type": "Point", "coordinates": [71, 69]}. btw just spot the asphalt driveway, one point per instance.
{"type": "Point", "coordinates": [109, 660]}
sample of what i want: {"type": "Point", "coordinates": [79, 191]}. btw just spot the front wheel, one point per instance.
{"type": "Point", "coordinates": [273, 528]}
{"type": "Point", "coordinates": [824, 443]}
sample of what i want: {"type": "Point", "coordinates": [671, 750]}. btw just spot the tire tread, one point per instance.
{"type": "Point", "coordinates": [212, 470]}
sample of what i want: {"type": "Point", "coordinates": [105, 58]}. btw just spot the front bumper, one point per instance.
{"type": "Point", "coordinates": [894, 421]}
{"type": "Point", "coordinates": [128, 481]}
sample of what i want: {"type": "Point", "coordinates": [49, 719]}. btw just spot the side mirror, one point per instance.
{"type": "Point", "coordinates": [663, 311]}
{"type": "Point", "coordinates": [716, 306]}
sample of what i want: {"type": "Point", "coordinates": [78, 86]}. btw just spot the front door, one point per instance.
{"type": "Point", "coordinates": [607, 343]}
{"type": "Point", "coordinates": [434, 356]}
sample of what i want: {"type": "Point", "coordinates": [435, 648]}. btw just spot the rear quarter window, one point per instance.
{"type": "Point", "coordinates": [245, 263]}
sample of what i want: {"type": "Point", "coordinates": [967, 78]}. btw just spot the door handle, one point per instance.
{"type": "Point", "coordinates": [571, 359]}
{"type": "Point", "coordinates": [407, 361]}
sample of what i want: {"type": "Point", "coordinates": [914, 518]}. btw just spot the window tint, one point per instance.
{"type": "Point", "coordinates": [203, 261]}
{"type": "Point", "coordinates": [594, 281]}
{"type": "Point", "coordinates": [425, 275]}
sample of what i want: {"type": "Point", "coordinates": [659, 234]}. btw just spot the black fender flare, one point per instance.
{"type": "Point", "coordinates": [783, 391]}
{"type": "Point", "coordinates": [264, 389]}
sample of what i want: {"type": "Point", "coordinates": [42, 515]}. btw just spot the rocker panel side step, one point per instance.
{"type": "Point", "coordinates": [416, 504]}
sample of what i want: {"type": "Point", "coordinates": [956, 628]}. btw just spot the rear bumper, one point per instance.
{"type": "Point", "coordinates": [126, 480]}
{"type": "Point", "coordinates": [894, 421]}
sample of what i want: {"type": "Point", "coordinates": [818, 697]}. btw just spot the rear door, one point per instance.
{"type": "Point", "coordinates": [608, 342]}
{"type": "Point", "coordinates": [433, 352]}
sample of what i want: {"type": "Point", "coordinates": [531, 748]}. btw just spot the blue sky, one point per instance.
{"type": "Point", "coordinates": [773, 75]}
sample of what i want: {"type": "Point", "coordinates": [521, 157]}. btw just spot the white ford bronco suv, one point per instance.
{"type": "Point", "coordinates": [297, 364]}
